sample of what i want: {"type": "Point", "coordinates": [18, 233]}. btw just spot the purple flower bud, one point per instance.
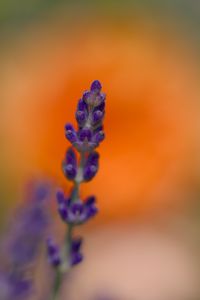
{"type": "Point", "coordinates": [101, 106]}
{"type": "Point", "coordinates": [90, 204]}
{"type": "Point", "coordinates": [76, 256]}
{"type": "Point", "coordinates": [93, 158]}
{"type": "Point", "coordinates": [89, 172]}
{"type": "Point", "coordinates": [81, 117]}
{"type": "Point", "coordinates": [70, 133]}
{"type": "Point", "coordinates": [70, 164]}
{"type": "Point", "coordinates": [82, 105]}
{"type": "Point", "coordinates": [94, 97]}
{"type": "Point", "coordinates": [90, 200]}
{"type": "Point", "coordinates": [69, 171]}
{"type": "Point", "coordinates": [76, 244]}
{"type": "Point", "coordinates": [91, 166]}
{"type": "Point", "coordinates": [103, 97]}
{"type": "Point", "coordinates": [62, 205]}
{"type": "Point", "coordinates": [96, 86]}
{"type": "Point", "coordinates": [86, 96]}
{"type": "Point", "coordinates": [84, 134]}
{"type": "Point", "coordinates": [71, 157]}
{"type": "Point", "coordinates": [98, 137]}
{"type": "Point", "coordinates": [97, 116]}
{"type": "Point", "coordinates": [53, 253]}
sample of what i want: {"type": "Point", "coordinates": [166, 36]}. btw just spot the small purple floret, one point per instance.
{"type": "Point", "coordinates": [99, 137]}
{"type": "Point", "coordinates": [53, 253]}
{"type": "Point", "coordinates": [81, 117]}
{"type": "Point", "coordinates": [82, 106]}
{"type": "Point", "coordinates": [76, 244]}
{"type": "Point", "coordinates": [76, 256]}
{"type": "Point", "coordinates": [91, 166]}
{"type": "Point", "coordinates": [70, 133]}
{"type": "Point", "coordinates": [86, 96]}
{"type": "Point", "coordinates": [70, 164]}
{"type": "Point", "coordinates": [77, 212]}
{"type": "Point", "coordinates": [97, 116]}
{"type": "Point", "coordinates": [96, 86]}
{"type": "Point", "coordinates": [62, 205]}
{"type": "Point", "coordinates": [85, 134]}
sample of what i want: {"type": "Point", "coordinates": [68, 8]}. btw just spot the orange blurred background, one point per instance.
{"type": "Point", "coordinates": [145, 53]}
{"type": "Point", "coordinates": [149, 161]}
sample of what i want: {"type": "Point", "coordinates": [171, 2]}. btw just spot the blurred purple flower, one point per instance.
{"type": "Point", "coordinates": [13, 286]}
{"type": "Point", "coordinates": [22, 243]}
{"type": "Point", "coordinates": [28, 227]}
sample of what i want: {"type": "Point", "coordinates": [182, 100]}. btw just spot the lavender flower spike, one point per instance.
{"type": "Point", "coordinates": [89, 115]}
{"type": "Point", "coordinates": [22, 246]}
{"type": "Point", "coordinates": [72, 209]}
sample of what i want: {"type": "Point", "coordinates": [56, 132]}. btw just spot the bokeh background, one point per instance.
{"type": "Point", "coordinates": [146, 54]}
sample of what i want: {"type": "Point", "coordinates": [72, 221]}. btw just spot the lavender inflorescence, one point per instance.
{"type": "Point", "coordinates": [72, 209]}
{"type": "Point", "coordinates": [23, 243]}
{"type": "Point", "coordinates": [89, 115]}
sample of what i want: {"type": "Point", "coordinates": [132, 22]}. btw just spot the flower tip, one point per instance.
{"type": "Point", "coordinates": [69, 126]}
{"type": "Point", "coordinates": [90, 200]}
{"type": "Point", "coordinates": [96, 86]}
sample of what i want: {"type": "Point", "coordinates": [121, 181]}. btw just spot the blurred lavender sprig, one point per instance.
{"type": "Point", "coordinates": [73, 210]}
{"type": "Point", "coordinates": [22, 244]}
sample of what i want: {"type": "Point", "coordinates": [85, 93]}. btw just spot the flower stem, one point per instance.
{"type": "Point", "coordinates": [68, 238]}
{"type": "Point", "coordinates": [57, 285]}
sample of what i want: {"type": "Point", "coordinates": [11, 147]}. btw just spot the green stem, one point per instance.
{"type": "Point", "coordinates": [57, 284]}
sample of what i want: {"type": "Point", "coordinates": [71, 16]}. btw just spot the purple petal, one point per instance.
{"type": "Point", "coordinates": [76, 258]}
{"type": "Point", "coordinates": [96, 86]}
{"type": "Point", "coordinates": [90, 200]}
{"type": "Point", "coordinates": [76, 244]}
